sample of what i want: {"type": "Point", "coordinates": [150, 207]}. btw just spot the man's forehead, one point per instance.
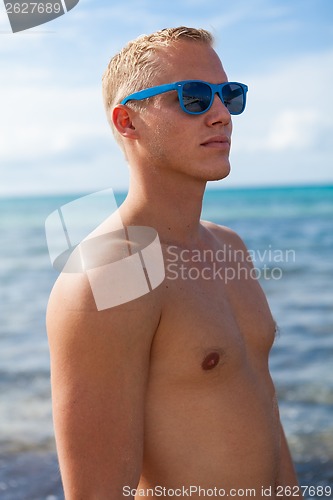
{"type": "Point", "coordinates": [188, 50]}
{"type": "Point", "coordinates": [189, 60]}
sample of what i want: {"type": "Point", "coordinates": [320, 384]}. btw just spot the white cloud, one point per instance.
{"type": "Point", "coordinates": [289, 109]}
{"type": "Point", "coordinates": [54, 137]}
{"type": "Point", "coordinates": [291, 129]}
{"type": "Point", "coordinates": [41, 119]}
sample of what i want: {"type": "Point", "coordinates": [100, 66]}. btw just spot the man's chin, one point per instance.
{"type": "Point", "coordinates": [219, 174]}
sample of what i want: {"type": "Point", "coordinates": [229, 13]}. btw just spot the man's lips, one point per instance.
{"type": "Point", "coordinates": [218, 141]}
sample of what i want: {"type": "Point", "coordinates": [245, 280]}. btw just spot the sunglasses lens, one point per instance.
{"type": "Point", "coordinates": [196, 97]}
{"type": "Point", "coordinates": [233, 98]}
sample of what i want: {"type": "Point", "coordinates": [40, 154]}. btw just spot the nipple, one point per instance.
{"type": "Point", "coordinates": [210, 361]}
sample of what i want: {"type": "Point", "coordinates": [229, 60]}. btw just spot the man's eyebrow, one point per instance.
{"type": "Point", "coordinates": [277, 331]}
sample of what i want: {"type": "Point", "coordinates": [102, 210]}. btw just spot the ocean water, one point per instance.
{"type": "Point", "coordinates": [289, 232]}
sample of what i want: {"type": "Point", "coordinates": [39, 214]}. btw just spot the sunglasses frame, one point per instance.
{"type": "Point", "coordinates": [161, 89]}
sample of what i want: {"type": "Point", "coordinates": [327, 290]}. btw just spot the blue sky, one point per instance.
{"type": "Point", "coordinates": [53, 132]}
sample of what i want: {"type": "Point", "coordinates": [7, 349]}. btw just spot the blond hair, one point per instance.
{"type": "Point", "coordinates": [135, 66]}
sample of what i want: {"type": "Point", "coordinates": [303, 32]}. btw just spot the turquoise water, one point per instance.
{"type": "Point", "coordinates": [289, 232]}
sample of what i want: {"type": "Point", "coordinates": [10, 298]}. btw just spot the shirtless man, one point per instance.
{"type": "Point", "coordinates": [170, 392]}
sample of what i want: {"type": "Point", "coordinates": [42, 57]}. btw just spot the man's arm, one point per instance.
{"type": "Point", "coordinates": [287, 474]}
{"type": "Point", "coordinates": [99, 372]}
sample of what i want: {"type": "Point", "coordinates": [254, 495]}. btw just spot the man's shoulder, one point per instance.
{"type": "Point", "coordinates": [72, 293]}
{"type": "Point", "coordinates": [224, 235]}
{"type": "Point", "coordinates": [73, 311]}
{"type": "Point", "coordinates": [112, 271]}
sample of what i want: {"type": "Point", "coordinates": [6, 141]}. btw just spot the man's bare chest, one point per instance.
{"type": "Point", "coordinates": [208, 326]}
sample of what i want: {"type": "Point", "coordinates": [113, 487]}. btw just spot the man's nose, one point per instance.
{"type": "Point", "coordinates": [218, 111]}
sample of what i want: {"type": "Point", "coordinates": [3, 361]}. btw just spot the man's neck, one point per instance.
{"type": "Point", "coordinates": [169, 204]}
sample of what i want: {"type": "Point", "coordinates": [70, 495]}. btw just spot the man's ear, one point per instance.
{"type": "Point", "coordinates": [122, 118]}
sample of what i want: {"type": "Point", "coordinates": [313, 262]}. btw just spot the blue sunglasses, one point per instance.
{"type": "Point", "coordinates": [196, 97]}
